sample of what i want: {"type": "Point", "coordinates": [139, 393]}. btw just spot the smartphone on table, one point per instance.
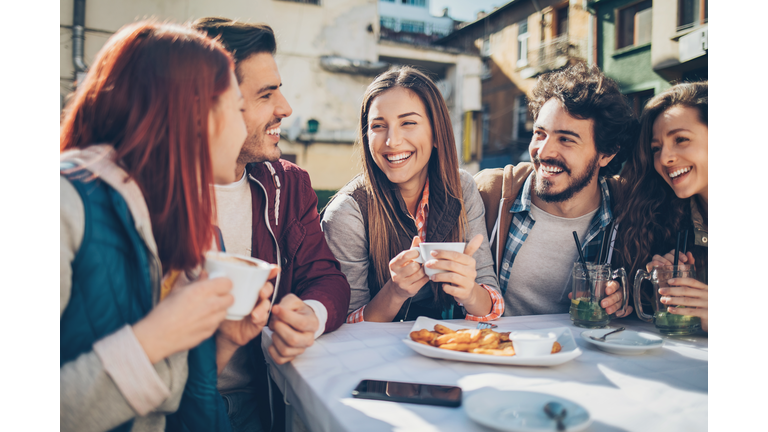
{"type": "Point", "coordinates": [426, 394]}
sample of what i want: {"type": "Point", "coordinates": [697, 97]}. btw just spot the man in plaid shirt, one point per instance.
{"type": "Point", "coordinates": [583, 130]}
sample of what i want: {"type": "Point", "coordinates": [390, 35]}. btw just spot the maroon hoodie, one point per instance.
{"type": "Point", "coordinates": [286, 231]}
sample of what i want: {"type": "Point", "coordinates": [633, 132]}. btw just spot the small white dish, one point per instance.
{"type": "Point", "coordinates": [625, 342]}
{"type": "Point", "coordinates": [528, 344]}
{"type": "Point", "coordinates": [522, 411]}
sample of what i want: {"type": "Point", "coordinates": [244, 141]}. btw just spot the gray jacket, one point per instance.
{"type": "Point", "coordinates": [346, 234]}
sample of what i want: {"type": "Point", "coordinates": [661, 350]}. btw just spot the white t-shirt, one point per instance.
{"type": "Point", "coordinates": [543, 265]}
{"type": "Point", "coordinates": [234, 211]}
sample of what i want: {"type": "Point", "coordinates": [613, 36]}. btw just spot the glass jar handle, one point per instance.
{"type": "Point", "coordinates": [621, 274]}
{"type": "Point", "coordinates": [639, 276]}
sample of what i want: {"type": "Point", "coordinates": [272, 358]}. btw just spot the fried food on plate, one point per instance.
{"type": "Point", "coordinates": [476, 341]}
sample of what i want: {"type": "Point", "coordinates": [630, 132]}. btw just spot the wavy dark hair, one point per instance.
{"type": "Point", "coordinates": [652, 213]}
{"type": "Point", "coordinates": [148, 94]}
{"type": "Point", "coordinates": [443, 164]}
{"type": "Point", "coordinates": [240, 38]}
{"type": "Point", "coordinates": [586, 93]}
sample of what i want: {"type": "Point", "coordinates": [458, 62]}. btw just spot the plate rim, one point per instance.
{"type": "Point", "coordinates": [483, 390]}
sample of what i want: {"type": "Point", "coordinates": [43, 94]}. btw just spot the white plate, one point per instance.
{"type": "Point", "coordinates": [626, 342]}
{"type": "Point", "coordinates": [568, 350]}
{"type": "Point", "coordinates": [522, 411]}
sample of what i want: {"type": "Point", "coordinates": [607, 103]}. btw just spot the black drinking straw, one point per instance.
{"type": "Point", "coordinates": [583, 261]}
{"type": "Point", "coordinates": [677, 252]}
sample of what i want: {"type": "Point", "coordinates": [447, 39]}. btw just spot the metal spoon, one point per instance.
{"type": "Point", "coordinates": [602, 338]}
{"type": "Point", "coordinates": [556, 412]}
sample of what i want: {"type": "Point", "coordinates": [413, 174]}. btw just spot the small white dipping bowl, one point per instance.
{"type": "Point", "coordinates": [532, 344]}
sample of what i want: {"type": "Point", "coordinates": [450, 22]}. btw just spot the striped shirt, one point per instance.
{"type": "Point", "coordinates": [522, 223]}
{"type": "Point", "coordinates": [422, 211]}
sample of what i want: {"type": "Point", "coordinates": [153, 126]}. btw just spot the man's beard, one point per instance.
{"type": "Point", "coordinates": [255, 150]}
{"type": "Point", "coordinates": [576, 185]}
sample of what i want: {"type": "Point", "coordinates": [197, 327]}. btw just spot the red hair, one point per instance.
{"type": "Point", "coordinates": [148, 94]}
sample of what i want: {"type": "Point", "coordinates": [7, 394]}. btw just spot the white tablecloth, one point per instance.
{"type": "Point", "coordinates": [661, 390]}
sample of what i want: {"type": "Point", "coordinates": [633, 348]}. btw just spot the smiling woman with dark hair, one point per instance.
{"type": "Point", "coordinates": [666, 190]}
{"type": "Point", "coordinates": [411, 191]}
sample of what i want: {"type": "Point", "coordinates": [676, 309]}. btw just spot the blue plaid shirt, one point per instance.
{"type": "Point", "coordinates": [522, 224]}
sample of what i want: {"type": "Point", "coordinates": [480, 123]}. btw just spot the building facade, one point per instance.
{"type": "Point", "coordinates": [325, 67]}
{"type": "Point", "coordinates": [647, 46]}
{"type": "Point", "coordinates": [518, 42]}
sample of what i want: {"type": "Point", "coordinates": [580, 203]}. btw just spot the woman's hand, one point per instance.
{"type": "Point", "coordinates": [683, 291]}
{"type": "Point", "coordinates": [189, 315]}
{"type": "Point", "coordinates": [690, 293]}
{"type": "Point", "coordinates": [406, 275]}
{"type": "Point", "coordinates": [459, 279]}
{"type": "Point", "coordinates": [243, 331]}
{"type": "Point", "coordinates": [669, 259]}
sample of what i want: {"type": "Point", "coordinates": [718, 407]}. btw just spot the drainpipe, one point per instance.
{"type": "Point", "coordinates": [78, 41]}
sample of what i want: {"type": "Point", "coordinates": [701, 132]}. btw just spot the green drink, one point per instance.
{"type": "Point", "coordinates": [586, 314]}
{"type": "Point", "coordinates": [672, 324]}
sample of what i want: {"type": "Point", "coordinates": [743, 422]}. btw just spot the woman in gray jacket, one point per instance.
{"type": "Point", "coordinates": [411, 191]}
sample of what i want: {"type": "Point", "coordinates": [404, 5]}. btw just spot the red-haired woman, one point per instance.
{"type": "Point", "coordinates": [155, 123]}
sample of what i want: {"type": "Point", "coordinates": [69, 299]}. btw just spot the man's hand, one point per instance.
{"type": "Point", "coordinates": [294, 325]}
{"type": "Point", "coordinates": [614, 299]}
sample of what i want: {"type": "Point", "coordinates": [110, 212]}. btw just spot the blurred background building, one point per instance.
{"type": "Point", "coordinates": [330, 50]}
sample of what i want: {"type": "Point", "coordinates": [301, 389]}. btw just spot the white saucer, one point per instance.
{"type": "Point", "coordinates": [522, 411]}
{"type": "Point", "coordinates": [625, 342]}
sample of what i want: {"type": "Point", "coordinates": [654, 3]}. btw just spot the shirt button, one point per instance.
{"type": "Point", "coordinates": [524, 230]}
{"type": "Point", "coordinates": [505, 266]}
{"type": "Point", "coordinates": [704, 239]}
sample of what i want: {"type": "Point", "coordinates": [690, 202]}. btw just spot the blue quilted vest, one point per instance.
{"type": "Point", "coordinates": [112, 287]}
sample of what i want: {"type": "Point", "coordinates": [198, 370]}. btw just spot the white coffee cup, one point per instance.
{"type": "Point", "coordinates": [247, 274]}
{"type": "Point", "coordinates": [425, 255]}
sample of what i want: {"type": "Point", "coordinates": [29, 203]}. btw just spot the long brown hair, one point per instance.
{"type": "Point", "coordinates": [652, 213]}
{"type": "Point", "coordinates": [148, 94]}
{"type": "Point", "coordinates": [443, 164]}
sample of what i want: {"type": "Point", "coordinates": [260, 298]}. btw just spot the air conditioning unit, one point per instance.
{"type": "Point", "coordinates": [693, 45]}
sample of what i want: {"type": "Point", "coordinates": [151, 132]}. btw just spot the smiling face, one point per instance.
{"type": "Point", "coordinates": [265, 107]}
{"type": "Point", "coordinates": [226, 132]}
{"type": "Point", "coordinates": [564, 155]}
{"type": "Point", "coordinates": [400, 137]}
{"type": "Point", "coordinates": [679, 147]}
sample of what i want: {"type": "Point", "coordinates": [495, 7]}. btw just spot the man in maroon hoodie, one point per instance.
{"type": "Point", "coordinates": [270, 213]}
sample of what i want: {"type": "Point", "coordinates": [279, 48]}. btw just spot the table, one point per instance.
{"type": "Point", "coordinates": [661, 390]}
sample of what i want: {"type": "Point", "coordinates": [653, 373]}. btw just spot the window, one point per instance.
{"type": "Point", "coordinates": [691, 13]}
{"type": "Point", "coordinates": [486, 125]}
{"type": "Point", "coordinates": [638, 100]}
{"type": "Point", "coordinates": [412, 26]}
{"type": "Point", "coordinates": [561, 21]}
{"type": "Point", "coordinates": [522, 43]}
{"type": "Point", "coordinates": [421, 3]}
{"type": "Point", "coordinates": [486, 51]}
{"type": "Point", "coordinates": [634, 25]}
{"type": "Point", "coordinates": [520, 113]}
{"type": "Point", "coordinates": [387, 22]}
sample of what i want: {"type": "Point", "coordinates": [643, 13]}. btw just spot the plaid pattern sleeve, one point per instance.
{"type": "Point", "coordinates": [497, 306]}
{"type": "Point", "coordinates": [422, 212]}
{"type": "Point", "coordinates": [356, 316]}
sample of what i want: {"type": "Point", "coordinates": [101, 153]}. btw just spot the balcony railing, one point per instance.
{"type": "Point", "coordinates": [555, 54]}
